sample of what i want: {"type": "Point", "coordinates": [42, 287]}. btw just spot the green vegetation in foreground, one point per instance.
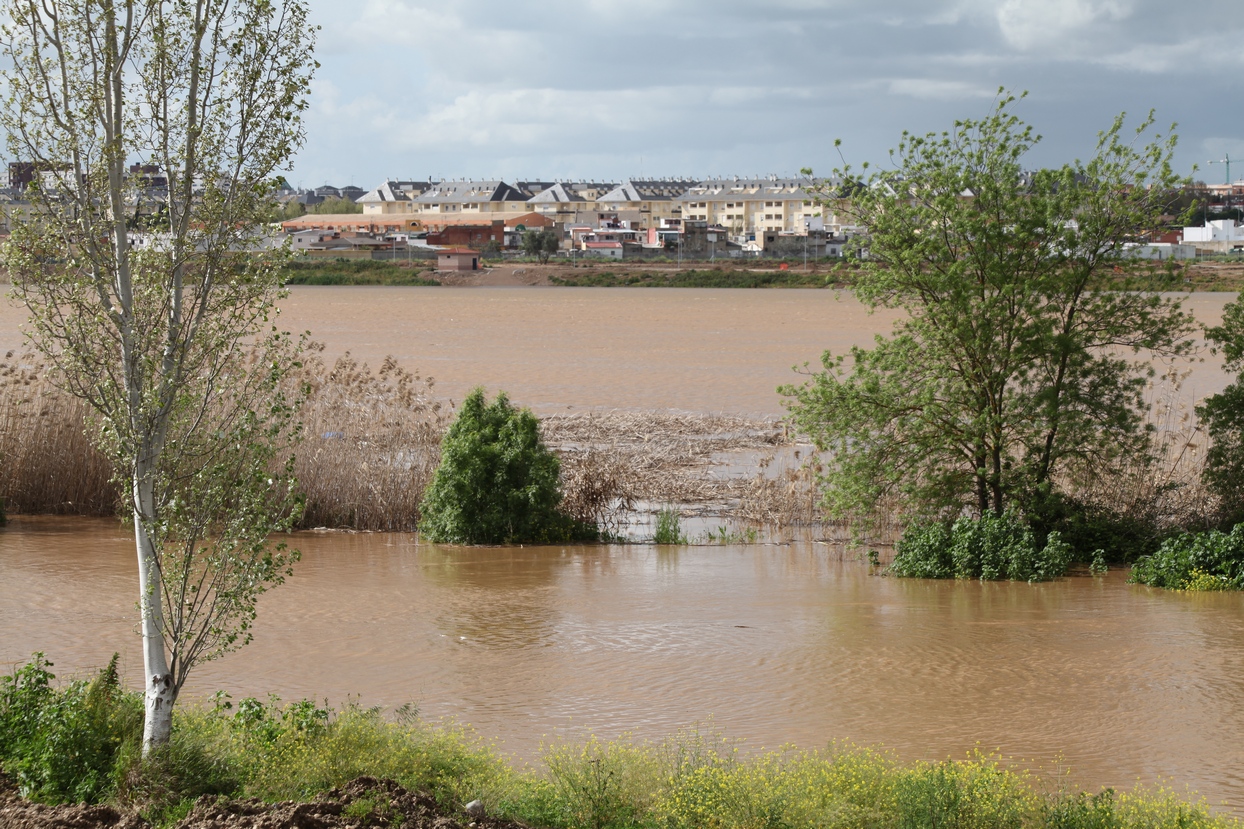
{"type": "Point", "coordinates": [80, 743]}
{"type": "Point", "coordinates": [497, 482]}
{"type": "Point", "coordinates": [988, 548]}
{"type": "Point", "coordinates": [715, 278]}
{"type": "Point", "coordinates": [353, 272]}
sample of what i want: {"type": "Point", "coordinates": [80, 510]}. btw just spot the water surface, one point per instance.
{"type": "Point", "coordinates": [777, 644]}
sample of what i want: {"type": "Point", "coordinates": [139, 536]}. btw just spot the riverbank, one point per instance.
{"type": "Point", "coordinates": [1224, 274]}
{"type": "Point", "coordinates": [1216, 275]}
{"type": "Point", "coordinates": [268, 766]}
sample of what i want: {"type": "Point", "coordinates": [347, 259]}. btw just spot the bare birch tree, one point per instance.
{"type": "Point", "coordinates": [170, 340]}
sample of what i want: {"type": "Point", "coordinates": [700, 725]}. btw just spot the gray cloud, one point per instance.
{"type": "Point", "coordinates": [607, 89]}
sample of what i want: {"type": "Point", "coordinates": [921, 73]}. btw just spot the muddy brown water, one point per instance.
{"type": "Point", "coordinates": [555, 349]}
{"type": "Point", "coordinates": [775, 643]}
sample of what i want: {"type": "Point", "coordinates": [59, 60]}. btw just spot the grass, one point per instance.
{"type": "Point", "coordinates": [355, 272]}
{"type": "Point", "coordinates": [692, 779]}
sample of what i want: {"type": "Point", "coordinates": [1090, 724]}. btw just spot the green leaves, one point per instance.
{"type": "Point", "coordinates": [497, 483]}
{"type": "Point", "coordinates": [62, 745]}
{"type": "Point", "coordinates": [1195, 561]}
{"type": "Point", "coordinates": [989, 548]}
{"type": "Point", "coordinates": [1223, 414]}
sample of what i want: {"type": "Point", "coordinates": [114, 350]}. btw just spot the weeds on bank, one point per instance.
{"type": "Point", "coordinates": [356, 272]}
{"type": "Point", "coordinates": [79, 742]}
{"type": "Point", "coordinates": [710, 278]}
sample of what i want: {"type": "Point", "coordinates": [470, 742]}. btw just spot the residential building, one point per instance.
{"type": "Point", "coordinates": [494, 198]}
{"type": "Point", "coordinates": [393, 197]}
{"type": "Point", "coordinates": [457, 259]}
{"type": "Point", "coordinates": [644, 204]}
{"type": "Point", "coordinates": [1218, 236]}
{"type": "Point", "coordinates": [749, 208]}
{"type": "Point", "coordinates": [570, 202]}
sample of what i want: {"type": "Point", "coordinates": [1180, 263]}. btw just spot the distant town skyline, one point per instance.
{"type": "Point", "coordinates": [606, 90]}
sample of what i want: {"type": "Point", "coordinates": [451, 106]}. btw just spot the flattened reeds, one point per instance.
{"type": "Point", "coordinates": [656, 457]}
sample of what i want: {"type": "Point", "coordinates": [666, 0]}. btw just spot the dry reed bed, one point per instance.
{"type": "Point", "coordinates": [372, 443]}
{"type": "Point", "coordinates": [47, 462]}
{"type": "Point", "coordinates": [1168, 492]}
{"type": "Point", "coordinates": [615, 460]}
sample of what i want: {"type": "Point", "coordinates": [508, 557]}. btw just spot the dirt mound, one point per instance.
{"type": "Point", "coordinates": [365, 802]}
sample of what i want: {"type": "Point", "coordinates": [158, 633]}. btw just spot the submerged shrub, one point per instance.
{"type": "Point", "coordinates": [1211, 560]}
{"type": "Point", "coordinates": [992, 547]}
{"type": "Point", "coordinates": [497, 482]}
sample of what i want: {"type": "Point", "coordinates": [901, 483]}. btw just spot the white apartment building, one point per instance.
{"type": "Point", "coordinates": [749, 207]}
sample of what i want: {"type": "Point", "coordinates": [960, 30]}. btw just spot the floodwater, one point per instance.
{"type": "Point", "coordinates": [553, 349]}
{"type": "Point", "coordinates": [774, 643]}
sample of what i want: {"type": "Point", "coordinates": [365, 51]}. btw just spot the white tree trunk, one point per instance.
{"type": "Point", "coordinates": [158, 695]}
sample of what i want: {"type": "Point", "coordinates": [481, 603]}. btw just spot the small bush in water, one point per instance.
{"type": "Point", "coordinates": [669, 527]}
{"type": "Point", "coordinates": [1195, 561]}
{"type": "Point", "coordinates": [992, 547]}
{"type": "Point", "coordinates": [497, 482]}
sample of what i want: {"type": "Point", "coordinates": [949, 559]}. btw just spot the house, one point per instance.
{"type": "Point", "coordinates": [476, 234]}
{"type": "Point", "coordinates": [813, 244]}
{"type": "Point", "coordinates": [1218, 236]}
{"type": "Point", "coordinates": [457, 259]}
{"type": "Point", "coordinates": [607, 250]}
{"type": "Point", "coordinates": [570, 202]}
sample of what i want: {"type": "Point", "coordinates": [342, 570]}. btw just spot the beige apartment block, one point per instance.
{"type": "Point", "coordinates": [570, 203]}
{"type": "Point", "coordinates": [487, 199]}
{"type": "Point", "coordinates": [753, 206]}
{"type": "Point", "coordinates": [645, 204]}
{"type": "Point", "coordinates": [393, 198]}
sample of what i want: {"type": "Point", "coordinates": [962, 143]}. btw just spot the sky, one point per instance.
{"type": "Point", "coordinates": [615, 89]}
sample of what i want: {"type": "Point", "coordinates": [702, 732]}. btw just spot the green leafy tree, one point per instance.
{"type": "Point", "coordinates": [1223, 415]}
{"type": "Point", "coordinates": [541, 244]}
{"type": "Point", "coordinates": [171, 343]}
{"type": "Point", "coordinates": [1016, 360]}
{"type": "Point", "coordinates": [335, 205]}
{"type": "Point", "coordinates": [497, 482]}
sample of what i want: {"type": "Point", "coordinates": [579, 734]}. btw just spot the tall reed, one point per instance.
{"type": "Point", "coordinates": [371, 444]}
{"type": "Point", "coordinates": [47, 462]}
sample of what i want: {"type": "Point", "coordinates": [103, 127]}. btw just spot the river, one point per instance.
{"type": "Point", "coordinates": [783, 643]}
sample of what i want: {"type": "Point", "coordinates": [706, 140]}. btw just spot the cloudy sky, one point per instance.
{"type": "Point", "coordinates": [610, 89]}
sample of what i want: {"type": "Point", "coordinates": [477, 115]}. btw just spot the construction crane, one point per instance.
{"type": "Point", "coordinates": [1226, 159]}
